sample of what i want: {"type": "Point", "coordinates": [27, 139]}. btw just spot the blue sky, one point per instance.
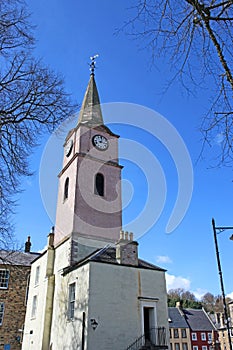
{"type": "Point", "coordinates": [68, 33]}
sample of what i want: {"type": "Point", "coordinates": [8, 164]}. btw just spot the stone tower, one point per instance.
{"type": "Point", "coordinates": [89, 208]}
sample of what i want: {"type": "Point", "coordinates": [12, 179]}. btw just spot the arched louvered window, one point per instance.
{"type": "Point", "coordinates": [99, 184]}
{"type": "Point", "coordinates": [66, 188]}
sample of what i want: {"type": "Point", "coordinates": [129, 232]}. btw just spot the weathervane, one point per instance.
{"type": "Point", "coordinates": [92, 64]}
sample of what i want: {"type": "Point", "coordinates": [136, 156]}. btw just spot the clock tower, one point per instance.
{"type": "Point", "coordinates": [89, 209]}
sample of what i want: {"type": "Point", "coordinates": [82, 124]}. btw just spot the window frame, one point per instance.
{"type": "Point", "coordinates": [195, 347]}
{"type": "Point", "coordinates": [209, 337]}
{"type": "Point", "coordinates": [184, 346]}
{"type": "Point", "coordinates": [71, 301]}
{"type": "Point", "coordinates": [175, 333]}
{"type": "Point", "coordinates": [27, 289]}
{"type": "Point", "coordinates": [37, 275]}
{"type": "Point", "coordinates": [66, 189]}
{"type": "Point", "coordinates": [4, 281]}
{"type": "Point", "coordinates": [183, 333]}
{"type": "Point", "coordinates": [34, 306]}
{"type": "Point", "coordinates": [99, 184]}
{"type": "Point", "coordinates": [2, 310]}
{"type": "Point", "coordinates": [203, 336]}
{"type": "Point", "coordinates": [177, 346]}
{"type": "Point", "coordinates": [194, 336]}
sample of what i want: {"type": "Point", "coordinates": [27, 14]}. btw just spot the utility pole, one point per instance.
{"type": "Point", "coordinates": [221, 229]}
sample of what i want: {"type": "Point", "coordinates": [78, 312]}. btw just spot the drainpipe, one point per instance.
{"type": "Point", "coordinates": [49, 292]}
{"type": "Point", "coordinates": [83, 331]}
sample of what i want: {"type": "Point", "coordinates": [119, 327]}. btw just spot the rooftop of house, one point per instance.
{"type": "Point", "coordinates": [195, 319]}
{"type": "Point", "coordinates": [198, 320]}
{"type": "Point", "coordinates": [175, 318]}
{"type": "Point", "coordinates": [17, 258]}
{"type": "Point", "coordinates": [108, 255]}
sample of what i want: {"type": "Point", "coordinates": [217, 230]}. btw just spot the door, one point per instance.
{"type": "Point", "coordinates": [149, 323]}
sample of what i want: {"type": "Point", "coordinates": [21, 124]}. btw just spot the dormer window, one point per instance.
{"type": "Point", "coordinates": [99, 184]}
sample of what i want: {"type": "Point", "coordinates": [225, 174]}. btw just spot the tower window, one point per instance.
{"type": "Point", "coordinates": [99, 184]}
{"type": "Point", "coordinates": [66, 188]}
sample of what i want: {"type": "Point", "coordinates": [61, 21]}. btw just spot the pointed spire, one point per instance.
{"type": "Point", "coordinates": [90, 112]}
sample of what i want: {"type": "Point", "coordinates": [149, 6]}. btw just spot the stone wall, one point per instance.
{"type": "Point", "coordinates": [14, 298]}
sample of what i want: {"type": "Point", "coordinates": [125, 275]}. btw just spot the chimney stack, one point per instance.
{"type": "Point", "coordinates": [28, 245]}
{"type": "Point", "coordinates": [51, 237]}
{"type": "Point", "coordinates": [127, 249]}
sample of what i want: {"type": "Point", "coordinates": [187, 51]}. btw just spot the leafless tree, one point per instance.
{"type": "Point", "coordinates": [32, 102]}
{"type": "Point", "coordinates": [195, 37]}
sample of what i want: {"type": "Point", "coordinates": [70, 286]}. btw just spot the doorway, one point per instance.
{"type": "Point", "coordinates": [149, 323]}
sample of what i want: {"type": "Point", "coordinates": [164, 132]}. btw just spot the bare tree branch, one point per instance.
{"type": "Point", "coordinates": [195, 37]}
{"type": "Point", "coordinates": [32, 102]}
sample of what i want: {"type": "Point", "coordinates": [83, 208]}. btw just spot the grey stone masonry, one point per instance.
{"type": "Point", "coordinates": [127, 249]}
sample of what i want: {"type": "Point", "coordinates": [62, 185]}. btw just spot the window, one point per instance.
{"type": "Point", "coordinates": [203, 337]}
{"type": "Point", "coordinates": [66, 189]}
{"type": "Point", "coordinates": [99, 184]}
{"type": "Point", "coordinates": [183, 333]}
{"type": "Point", "coordinates": [1, 312]}
{"type": "Point", "coordinates": [34, 306]}
{"type": "Point", "coordinates": [176, 333]}
{"type": "Point", "coordinates": [4, 278]}
{"type": "Point", "coordinates": [37, 276]}
{"type": "Point", "coordinates": [209, 336]}
{"type": "Point", "coordinates": [177, 346]}
{"type": "Point", "coordinates": [204, 347]}
{"type": "Point", "coordinates": [195, 347]}
{"type": "Point", "coordinates": [71, 304]}
{"type": "Point", "coordinates": [27, 289]}
{"type": "Point", "coordinates": [194, 336]}
{"type": "Point", "coordinates": [184, 346]}
{"type": "Point", "coordinates": [171, 346]}
{"type": "Point", "coordinates": [170, 333]}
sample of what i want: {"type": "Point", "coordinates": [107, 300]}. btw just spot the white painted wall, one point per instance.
{"type": "Point", "coordinates": [105, 292]}
{"type": "Point", "coordinates": [114, 303]}
{"type": "Point", "coordinates": [67, 335]}
{"type": "Point", "coordinates": [33, 330]}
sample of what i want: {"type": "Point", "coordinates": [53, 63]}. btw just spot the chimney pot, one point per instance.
{"type": "Point", "coordinates": [126, 235]}
{"type": "Point", "coordinates": [28, 245]}
{"type": "Point", "coordinates": [131, 236]}
{"type": "Point", "coordinates": [51, 237]}
{"type": "Point", "coordinates": [121, 234]}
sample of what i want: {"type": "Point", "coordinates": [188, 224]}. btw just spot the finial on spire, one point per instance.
{"type": "Point", "coordinates": [92, 64]}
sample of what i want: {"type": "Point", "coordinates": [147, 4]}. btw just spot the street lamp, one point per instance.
{"type": "Point", "coordinates": [221, 229]}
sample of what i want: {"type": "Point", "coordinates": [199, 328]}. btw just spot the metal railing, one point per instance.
{"type": "Point", "coordinates": [154, 337]}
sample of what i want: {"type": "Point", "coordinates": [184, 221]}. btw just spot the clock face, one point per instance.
{"type": "Point", "coordinates": [68, 148]}
{"type": "Point", "coordinates": [100, 142]}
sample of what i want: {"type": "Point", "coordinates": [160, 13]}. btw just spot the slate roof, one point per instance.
{"type": "Point", "coordinates": [108, 255]}
{"type": "Point", "coordinates": [90, 110]}
{"type": "Point", "coordinates": [198, 320]}
{"type": "Point", "coordinates": [195, 319]}
{"type": "Point", "coordinates": [17, 258]}
{"type": "Point", "coordinates": [176, 320]}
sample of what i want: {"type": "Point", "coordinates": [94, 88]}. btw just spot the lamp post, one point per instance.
{"type": "Point", "coordinates": [221, 229]}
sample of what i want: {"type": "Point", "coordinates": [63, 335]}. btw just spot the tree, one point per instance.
{"type": "Point", "coordinates": [195, 36]}
{"type": "Point", "coordinates": [208, 300]}
{"type": "Point", "coordinates": [186, 298]}
{"type": "Point", "coordinates": [32, 102]}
